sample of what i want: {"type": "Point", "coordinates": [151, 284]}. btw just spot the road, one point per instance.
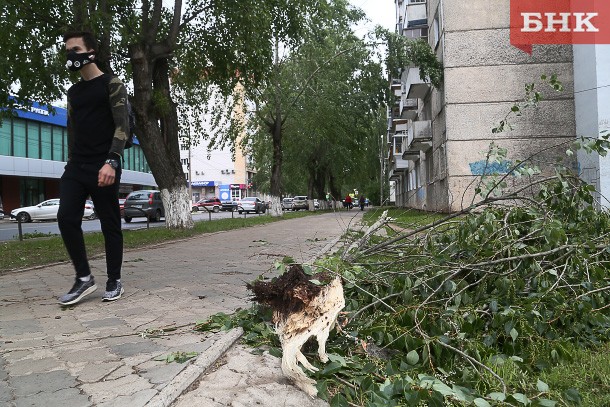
{"type": "Point", "coordinates": [9, 229]}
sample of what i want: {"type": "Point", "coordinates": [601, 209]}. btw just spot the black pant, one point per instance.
{"type": "Point", "coordinates": [78, 182]}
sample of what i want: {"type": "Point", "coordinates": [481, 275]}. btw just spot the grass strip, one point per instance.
{"type": "Point", "coordinates": [39, 251]}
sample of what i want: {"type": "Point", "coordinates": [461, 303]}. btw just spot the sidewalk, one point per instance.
{"type": "Point", "coordinates": [103, 354]}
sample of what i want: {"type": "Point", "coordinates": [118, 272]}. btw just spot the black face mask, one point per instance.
{"type": "Point", "coordinates": [76, 61]}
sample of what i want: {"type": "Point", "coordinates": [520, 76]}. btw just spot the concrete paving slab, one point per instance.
{"type": "Point", "coordinates": [108, 390]}
{"type": "Point", "coordinates": [95, 372]}
{"type": "Point", "coordinates": [60, 398]}
{"type": "Point", "coordinates": [47, 382]}
{"type": "Point", "coordinates": [243, 379]}
{"type": "Point", "coordinates": [138, 399]}
{"type": "Point", "coordinates": [27, 366]}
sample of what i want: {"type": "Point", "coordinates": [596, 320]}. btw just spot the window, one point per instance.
{"type": "Point", "coordinates": [416, 1]}
{"type": "Point", "coordinates": [58, 142]}
{"type": "Point", "coordinates": [437, 33]}
{"type": "Point", "coordinates": [397, 145]}
{"type": "Point", "coordinates": [5, 137]}
{"type": "Point", "coordinates": [33, 134]}
{"type": "Point", "coordinates": [46, 142]}
{"type": "Point", "coordinates": [184, 147]}
{"type": "Point", "coordinates": [138, 161]}
{"type": "Point", "coordinates": [185, 161]}
{"type": "Point", "coordinates": [19, 138]}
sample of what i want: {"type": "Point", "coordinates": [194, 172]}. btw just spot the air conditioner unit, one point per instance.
{"type": "Point", "coordinates": [232, 171]}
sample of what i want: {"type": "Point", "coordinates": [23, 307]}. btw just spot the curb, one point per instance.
{"type": "Point", "coordinates": [184, 379]}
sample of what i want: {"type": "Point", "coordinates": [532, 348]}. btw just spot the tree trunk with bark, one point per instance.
{"type": "Point", "coordinates": [278, 157]}
{"type": "Point", "coordinates": [157, 128]}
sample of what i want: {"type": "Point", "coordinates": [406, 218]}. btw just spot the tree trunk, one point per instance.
{"type": "Point", "coordinates": [320, 184]}
{"type": "Point", "coordinates": [278, 157]}
{"type": "Point", "coordinates": [334, 190]}
{"type": "Point", "coordinates": [157, 129]}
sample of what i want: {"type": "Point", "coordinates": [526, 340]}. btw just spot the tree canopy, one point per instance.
{"type": "Point", "coordinates": [164, 50]}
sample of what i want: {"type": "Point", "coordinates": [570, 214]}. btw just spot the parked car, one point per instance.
{"type": "Point", "coordinates": [122, 206]}
{"type": "Point", "coordinates": [287, 204]}
{"type": "Point", "coordinates": [144, 203]}
{"type": "Point", "coordinates": [251, 204]}
{"type": "Point", "coordinates": [46, 210]}
{"type": "Point", "coordinates": [230, 206]}
{"type": "Point", "coordinates": [207, 204]}
{"type": "Point", "coordinates": [300, 202]}
{"type": "Point", "coordinates": [89, 205]}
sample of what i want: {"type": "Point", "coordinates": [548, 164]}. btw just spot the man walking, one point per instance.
{"type": "Point", "coordinates": [98, 123]}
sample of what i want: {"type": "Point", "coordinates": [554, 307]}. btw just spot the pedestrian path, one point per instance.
{"type": "Point", "coordinates": [107, 354]}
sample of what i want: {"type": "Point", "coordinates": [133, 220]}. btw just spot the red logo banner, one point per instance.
{"type": "Point", "coordinates": [559, 22]}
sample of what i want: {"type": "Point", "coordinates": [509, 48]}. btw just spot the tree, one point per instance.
{"type": "Point", "coordinates": [314, 116]}
{"type": "Point", "coordinates": [171, 53]}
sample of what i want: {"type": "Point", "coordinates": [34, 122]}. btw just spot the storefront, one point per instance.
{"type": "Point", "coordinates": [33, 153]}
{"type": "Point", "coordinates": [203, 189]}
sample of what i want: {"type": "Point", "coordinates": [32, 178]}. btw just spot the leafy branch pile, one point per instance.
{"type": "Point", "coordinates": [468, 310]}
{"type": "Point", "coordinates": [486, 302]}
{"type": "Point", "coordinates": [473, 308]}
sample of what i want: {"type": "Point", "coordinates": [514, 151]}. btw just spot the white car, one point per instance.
{"type": "Point", "coordinates": [251, 204]}
{"type": "Point", "coordinates": [44, 211]}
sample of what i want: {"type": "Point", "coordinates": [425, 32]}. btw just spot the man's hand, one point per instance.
{"type": "Point", "coordinates": [106, 176]}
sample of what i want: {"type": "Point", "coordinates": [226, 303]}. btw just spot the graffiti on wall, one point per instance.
{"type": "Point", "coordinates": [484, 167]}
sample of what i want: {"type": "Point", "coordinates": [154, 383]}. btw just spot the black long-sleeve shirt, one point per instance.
{"type": "Point", "coordinates": [98, 120]}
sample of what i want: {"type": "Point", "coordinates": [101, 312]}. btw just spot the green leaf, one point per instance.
{"type": "Point", "coordinates": [496, 396]}
{"type": "Point", "coordinates": [316, 282]}
{"type": "Point", "coordinates": [339, 400]}
{"type": "Point", "coordinates": [546, 403]}
{"type": "Point", "coordinates": [442, 388]}
{"type": "Point", "coordinates": [307, 270]}
{"type": "Point", "coordinates": [572, 395]}
{"type": "Point", "coordinates": [521, 398]}
{"type": "Point", "coordinates": [337, 358]}
{"type": "Point", "coordinates": [412, 357]}
{"type": "Point", "coordinates": [479, 402]}
{"type": "Point", "coordinates": [542, 386]}
{"type": "Point", "coordinates": [331, 367]}
{"type": "Point", "coordinates": [514, 334]}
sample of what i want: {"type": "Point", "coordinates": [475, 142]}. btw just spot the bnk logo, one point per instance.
{"type": "Point", "coordinates": [559, 22]}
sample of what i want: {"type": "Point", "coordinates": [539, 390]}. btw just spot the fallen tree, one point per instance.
{"type": "Point", "coordinates": [472, 308]}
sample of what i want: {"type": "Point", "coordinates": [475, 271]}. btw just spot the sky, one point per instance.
{"type": "Point", "coordinates": [380, 12]}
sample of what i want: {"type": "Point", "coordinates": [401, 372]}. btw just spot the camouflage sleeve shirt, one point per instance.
{"type": "Point", "coordinates": [98, 120]}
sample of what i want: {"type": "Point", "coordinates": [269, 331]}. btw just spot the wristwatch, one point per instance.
{"type": "Point", "coordinates": [113, 163]}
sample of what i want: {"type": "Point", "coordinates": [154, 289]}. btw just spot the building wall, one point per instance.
{"type": "Point", "coordinates": [483, 77]}
{"type": "Point", "coordinates": [592, 98]}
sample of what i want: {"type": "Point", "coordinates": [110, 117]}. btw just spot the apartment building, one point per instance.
{"type": "Point", "coordinates": [438, 137]}
{"type": "Point", "coordinates": [219, 173]}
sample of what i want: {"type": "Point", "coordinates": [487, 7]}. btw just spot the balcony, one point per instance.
{"type": "Point", "coordinates": [415, 86]}
{"type": "Point", "coordinates": [411, 155]}
{"type": "Point", "coordinates": [395, 85]}
{"type": "Point", "coordinates": [408, 108]}
{"type": "Point", "coordinates": [420, 135]}
{"type": "Point", "coordinates": [395, 174]}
